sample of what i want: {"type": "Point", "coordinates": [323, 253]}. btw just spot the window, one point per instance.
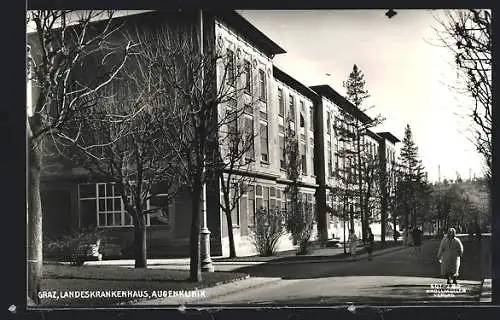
{"type": "Point", "coordinates": [258, 190]}
{"type": "Point", "coordinates": [282, 152]}
{"type": "Point", "coordinates": [258, 197]}
{"type": "Point", "coordinates": [263, 112]}
{"type": "Point", "coordinates": [310, 200]}
{"type": "Point", "coordinates": [302, 115]}
{"type": "Point", "coordinates": [303, 159]}
{"type": "Point", "coordinates": [230, 67]}
{"type": "Point", "coordinates": [336, 163]}
{"type": "Point", "coordinates": [291, 110]}
{"type": "Point", "coordinates": [249, 138]}
{"type": "Point", "coordinates": [231, 121]}
{"type": "Point", "coordinates": [265, 198]}
{"type": "Point", "coordinates": [248, 109]}
{"type": "Point", "coordinates": [329, 163]}
{"type": "Point", "coordinates": [262, 85]}
{"type": "Point", "coordinates": [235, 213]}
{"type": "Point", "coordinates": [232, 102]}
{"type": "Point", "coordinates": [251, 205]}
{"type": "Point", "coordinates": [248, 76]}
{"type": "Point", "coordinates": [311, 119]}
{"type": "Point", "coordinates": [162, 215]}
{"type": "Point", "coordinates": [232, 131]}
{"type": "Point", "coordinates": [101, 205]}
{"type": "Point", "coordinates": [272, 196]}
{"type": "Point", "coordinates": [264, 146]}
{"type": "Point", "coordinates": [281, 203]}
{"type": "Point", "coordinates": [110, 211]}
{"type": "Point", "coordinates": [263, 115]}
{"type": "Point", "coordinates": [281, 103]}
{"type": "Point", "coordinates": [328, 122]}
{"type": "Point", "coordinates": [311, 155]}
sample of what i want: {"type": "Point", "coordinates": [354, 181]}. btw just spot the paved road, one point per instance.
{"type": "Point", "coordinates": [404, 276]}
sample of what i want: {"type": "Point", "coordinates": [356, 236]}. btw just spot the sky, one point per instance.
{"type": "Point", "coordinates": [407, 74]}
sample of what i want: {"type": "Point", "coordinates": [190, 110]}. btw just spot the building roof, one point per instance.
{"type": "Point", "coordinates": [389, 136]}
{"type": "Point", "coordinates": [373, 135]}
{"type": "Point", "coordinates": [292, 82]}
{"type": "Point", "coordinates": [249, 32]}
{"type": "Point", "coordinates": [342, 102]}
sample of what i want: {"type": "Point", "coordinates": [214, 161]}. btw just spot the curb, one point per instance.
{"type": "Point", "coordinates": [485, 296]}
{"type": "Point", "coordinates": [359, 257]}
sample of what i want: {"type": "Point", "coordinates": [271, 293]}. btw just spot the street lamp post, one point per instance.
{"type": "Point", "coordinates": [206, 261]}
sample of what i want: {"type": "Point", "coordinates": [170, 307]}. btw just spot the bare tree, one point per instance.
{"type": "Point", "coordinates": [370, 174]}
{"type": "Point", "coordinates": [63, 44]}
{"type": "Point", "coordinates": [204, 84]}
{"type": "Point", "coordinates": [236, 154]}
{"type": "Point", "coordinates": [126, 138]}
{"type": "Point", "coordinates": [300, 218]}
{"type": "Point", "coordinates": [346, 188]}
{"type": "Point", "coordinates": [390, 179]}
{"type": "Point", "coordinates": [468, 35]}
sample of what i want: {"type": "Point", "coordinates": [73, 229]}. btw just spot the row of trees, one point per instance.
{"type": "Point", "coordinates": [364, 182]}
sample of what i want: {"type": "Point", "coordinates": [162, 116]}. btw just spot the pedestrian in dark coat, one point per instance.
{"type": "Point", "coordinates": [417, 239]}
{"type": "Point", "coordinates": [370, 243]}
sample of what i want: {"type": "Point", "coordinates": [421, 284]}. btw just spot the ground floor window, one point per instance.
{"type": "Point", "coordinates": [101, 205]}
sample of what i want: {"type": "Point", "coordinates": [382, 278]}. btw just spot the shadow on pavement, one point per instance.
{"type": "Point", "coordinates": [406, 262]}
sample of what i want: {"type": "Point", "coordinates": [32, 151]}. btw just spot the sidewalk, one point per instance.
{"type": "Point", "coordinates": [324, 255]}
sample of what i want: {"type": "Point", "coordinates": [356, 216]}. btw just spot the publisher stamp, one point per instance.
{"type": "Point", "coordinates": [446, 290]}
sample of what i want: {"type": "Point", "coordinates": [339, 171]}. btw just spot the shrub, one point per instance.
{"type": "Point", "coordinates": [67, 247]}
{"type": "Point", "coordinates": [268, 231]}
{"type": "Point", "coordinates": [300, 223]}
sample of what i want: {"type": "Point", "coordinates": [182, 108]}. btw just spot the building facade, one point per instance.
{"type": "Point", "coordinates": [271, 101]}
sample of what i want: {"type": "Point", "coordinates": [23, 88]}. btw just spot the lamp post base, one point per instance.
{"type": "Point", "coordinates": [206, 261]}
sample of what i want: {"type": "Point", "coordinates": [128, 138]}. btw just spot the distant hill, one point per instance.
{"type": "Point", "coordinates": [476, 191]}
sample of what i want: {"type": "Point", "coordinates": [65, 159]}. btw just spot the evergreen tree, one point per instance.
{"type": "Point", "coordinates": [412, 188]}
{"type": "Point", "coordinates": [356, 93]}
{"type": "Point", "coordinates": [355, 86]}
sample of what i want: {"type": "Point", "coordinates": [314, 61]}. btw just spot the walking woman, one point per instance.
{"type": "Point", "coordinates": [449, 253]}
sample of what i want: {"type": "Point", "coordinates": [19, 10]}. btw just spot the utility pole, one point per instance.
{"type": "Point", "coordinates": [206, 261]}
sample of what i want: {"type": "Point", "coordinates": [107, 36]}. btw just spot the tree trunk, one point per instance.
{"type": "Point", "coordinates": [35, 237]}
{"type": "Point", "coordinates": [195, 263]}
{"type": "Point", "coordinates": [229, 219]}
{"type": "Point", "coordinates": [394, 223]}
{"type": "Point", "coordinates": [140, 252]}
{"type": "Point", "coordinates": [384, 210]}
{"type": "Point", "coordinates": [362, 212]}
{"type": "Point", "coordinates": [407, 217]}
{"type": "Point", "coordinates": [345, 249]}
{"type": "Point", "coordinates": [383, 222]}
